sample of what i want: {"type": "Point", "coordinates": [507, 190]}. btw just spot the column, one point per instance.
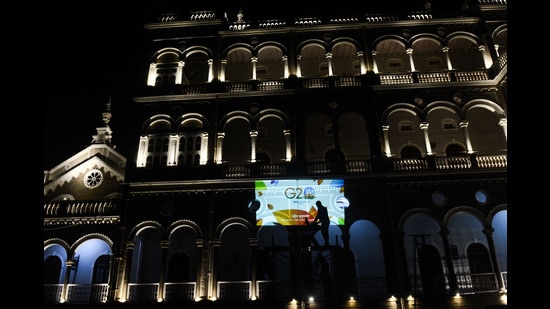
{"type": "Point", "coordinates": [122, 280]}
{"type": "Point", "coordinates": [374, 65]}
{"type": "Point", "coordinates": [329, 61]}
{"type": "Point", "coordinates": [387, 149]}
{"type": "Point", "coordinates": [445, 51]}
{"type": "Point", "coordinates": [285, 63]}
{"type": "Point", "coordinates": [173, 150]}
{"type": "Point", "coordinates": [411, 60]}
{"type": "Point", "coordinates": [253, 267]}
{"type": "Point", "coordinates": [486, 57]}
{"type": "Point", "coordinates": [212, 278]}
{"type": "Point", "coordinates": [253, 136]}
{"type": "Point", "coordinates": [69, 264]}
{"type": "Point", "coordinates": [464, 125]}
{"type": "Point", "coordinates": [496, 50]}
{"type": "Point", "coordinates": [361, 62]}
{"type": "Point", "coordinates": [298, 68]}
{"type": "Point", "coordinates": [210, 70]}
{"type": "Point", "coordinates": [254, 61]}
{"type": "Point", "coordinates": [222, 70]}
{"type": "Point", "coordinates": [204, 148]}
{"type": "Point", "coordinates": [179, 72]}
{"type": "Point", "coordinates": [453, 283]}
{"type": "Point", "coordinates": [491, 244]}
{"type": "Point", "coordinates": [152, 76]}
{"type": "Point", "coordinates": [288, 145]}
{"type": "Point", "coordinates": [165, 245]}
{"type": "Point", "coordinates": [142, 151]}
{"type": "Point", "coordinates": [503, 123]}
{"type": "Point", "coordinates": [424, 127]}
{"type": "Point", "coordinates": [219, 146]}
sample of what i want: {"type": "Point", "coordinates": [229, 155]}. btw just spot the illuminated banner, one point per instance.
{"type": "Point", "coordinates": [292, 201]}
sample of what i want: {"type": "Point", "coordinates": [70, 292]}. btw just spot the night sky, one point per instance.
{"type": "Point", "coordinates": [93, 50]}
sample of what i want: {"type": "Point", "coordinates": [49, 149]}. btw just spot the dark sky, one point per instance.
{"type": "Point", "coordinates": [92, 50]}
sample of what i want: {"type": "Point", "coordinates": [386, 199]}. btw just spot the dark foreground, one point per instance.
{"type": "Point", "coordinates": [477, 301]}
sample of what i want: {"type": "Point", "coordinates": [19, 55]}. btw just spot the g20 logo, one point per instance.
{"type": "Point", "coordinates": [307, 193]}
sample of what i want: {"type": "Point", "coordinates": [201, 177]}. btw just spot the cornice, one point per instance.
{"type": "Point", "coordinates": [72, 221]}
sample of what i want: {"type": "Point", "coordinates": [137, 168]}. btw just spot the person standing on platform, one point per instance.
{"type": "Point", "coordinates": [322, 219]}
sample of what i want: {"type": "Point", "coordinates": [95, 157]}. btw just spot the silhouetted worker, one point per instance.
{"type": "Point", "coordinates": [323, 219]}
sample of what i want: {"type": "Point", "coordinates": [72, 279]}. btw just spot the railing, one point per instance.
{"type": "Point", "coordinates": [504, 276]}
{"type": "Point", "coordinates": [80, 208]}
{"type": "Point", "coordinates": [371, 287]}
{"type": "Point", "coordinates": [264, 289]}
{"type": "Point", "coordinates": [410, 165]}
{"type": "Point", "coordinates": [179, 291]}
{"type": "Point", "coordinates": [234, 289]}
{"type": "Point", "coordinates": [477, 283]}
{"type": "Point", "coordinates": [52, 293]}
{"type": "Point", "coordinates": [317, 168]}
{"type": "Point", "coordinates": [143, 292]}
{"type": "Point", "coordinates": [453, 163]}
{"type": "Point", "coordinates": [496, 161]}
{"type": "Point", "coordinates": [87, 293]}
{"type": "Point", "coordinates": [325, 82]}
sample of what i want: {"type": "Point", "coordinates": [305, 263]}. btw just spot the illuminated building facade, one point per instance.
{"type": "Point", "coordinates": [397, 122]}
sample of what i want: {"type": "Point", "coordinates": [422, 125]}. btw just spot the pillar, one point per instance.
{"type": "Point", "coordinates": [298, 68]}
{"type": "Point", "coordinates": [361, 62]}
{"type": "Point", "coordinates": [179, 73]}
{"type": "Point", "coordinates": [222, 70]}
{"type": "Point", "coordinates": [387, 148]}
{"type": "Point", "coordinates": [253, 137]}
{"type": "Point", "coordinates": [411, 60]}
{"type": "Point", "coordinates": [447, 58]}
{"type": "Point", "coordinates": [210, 70]}
{"type": "Point", "coordinates": [152, 76]}
{"type": "Point", "coordinates": [424, 127]}
{"type": "Point", "coordinates": [173, 150]}
{"type": "Point", "coordinates": [329, 61]}
{"type": "Point", "coordinates": [219, 146]}
{"type": "Point", "coordinates": [288, 146]}
{"type": "Point", "coordinates": [464, 125]}
{"type": "Point", "coordinates": [489, 234]}
{"type": "Point", "coordinates": [285, 63]}
{"type": "Point", "coordinates": [374, 65]}
{"type": "Point", "coordinates": [254, 61]}
{"type": "Point", "coordinates": [487, 61]}
{"type": "Point", "coordinates": [141, 160]}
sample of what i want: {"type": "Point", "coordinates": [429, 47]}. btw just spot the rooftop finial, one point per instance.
{"type": "Point", "coordinates": [240, 16]}
{"type": "Point", "coordinates": [107, 113]}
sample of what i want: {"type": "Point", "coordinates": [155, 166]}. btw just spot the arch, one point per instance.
{"type": "Point", "coordinates": [161, 120]}
{"type": "Point", "coordinates": [401, 107]}
{"type": "Point", "coordinates": [353, 135]}
{"type": "Point", "coordinates": [192, 121]}
{"type": "Point", "coordinates": [318, 136]}
{"type": "Point", "coordinates": [198, 49]}
{"type": "Point", "coordinates": [145, 224]}
{"type": "Point", "coordinates": [53, 266]}
{"type": "Point", "coordinates": [233, 261]}
{"type": "Point", "coordinates": [379, 43]}
{"type": "Point", "coordinates": [270, 112]}
{"type": "Point", "coordinates": [232, 116]}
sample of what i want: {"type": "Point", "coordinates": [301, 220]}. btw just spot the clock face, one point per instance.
{"type": "Point", "coordinates": [93, 178]}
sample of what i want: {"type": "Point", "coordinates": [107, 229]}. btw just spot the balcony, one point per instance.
{"type": "Point", "coordinates": [293, 83]}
